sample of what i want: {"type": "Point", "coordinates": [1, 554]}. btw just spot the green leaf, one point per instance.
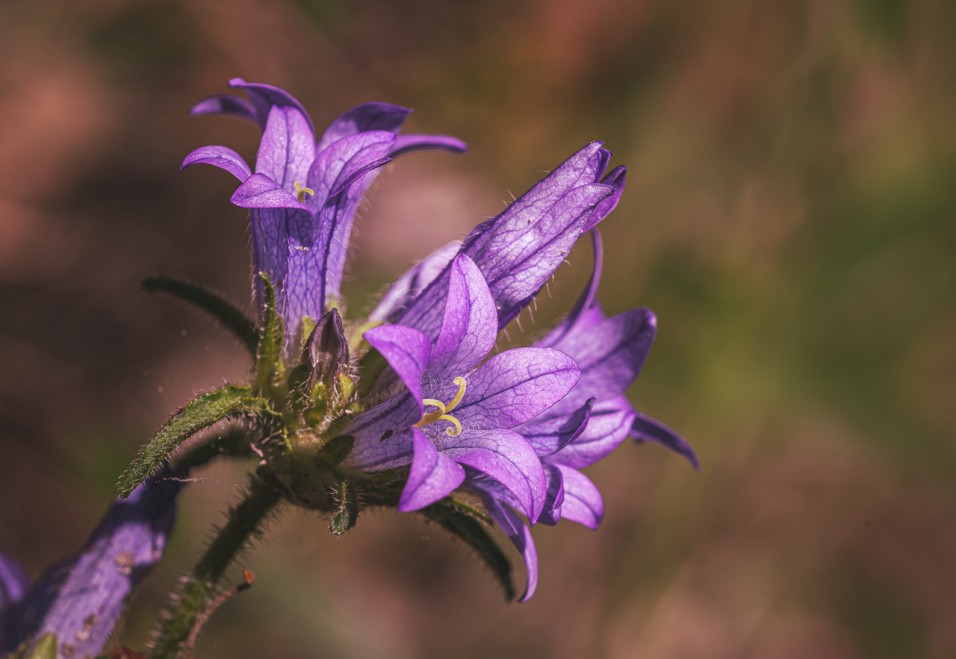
{"type": "Point", "coordinates": [346, 512]}
{"type": "Point", "coordinates": [457, 519]}
{"type": "Point", "coordinates": [201, 412]}
{"type": "Point", "coordinates": [269, 358]}
{"type": "Point", "coordinates": [225, 312]}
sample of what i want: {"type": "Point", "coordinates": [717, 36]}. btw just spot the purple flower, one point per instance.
{"type": "Point", "coordinates": [517, 251]}
{"type": "Point", "coordinates": [304, 193]}
{"type": "Point", "coordinates": [14, 585]}
{"type": "Point", "coordinates": [457, 416]}
{"type": "Point", "coordinates": [82, 599]}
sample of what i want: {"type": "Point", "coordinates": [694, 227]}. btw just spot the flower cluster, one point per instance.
{"type": "Point", "coordinates": [406, 408]}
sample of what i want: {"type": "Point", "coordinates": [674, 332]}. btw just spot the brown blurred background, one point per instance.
{"type": "Point", "coordinates": [789, 216]}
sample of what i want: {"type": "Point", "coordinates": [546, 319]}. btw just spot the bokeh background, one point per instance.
{"type": "Point", "coordinates": [789, 216]}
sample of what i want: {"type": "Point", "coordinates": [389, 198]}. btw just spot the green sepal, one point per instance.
{"type": "Point", "coordinates": [336, 450]}
{"type": "Point", "coordinates": [45, 648]}
{"type": "Point", "coordinates": [371, 366]}
{"type": "Point", "coordinates": [318, 404]}
{"type": "Point", "coordinates": [346, 512]}
{"type": "Point", "coordinates": [345, 386]}
{"type": "Point", "coordinates": [459, 519]}
{"type": "Point", "coordinates": [298, 386]}
{"type": "Point", "coordinates": [222, 310]}
{"type": "Point", "coordinates": [269, 357]}
{"type": "Point", "coordinates": [308, 326]}
{"type": "Point", "coordinates": [201, 412]}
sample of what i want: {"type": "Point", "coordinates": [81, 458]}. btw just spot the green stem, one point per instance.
{"type": "Point", "coordinates": [198, 592]}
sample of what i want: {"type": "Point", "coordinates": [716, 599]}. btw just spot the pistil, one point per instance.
{"type": "Point", "coordinates": [442, 413]}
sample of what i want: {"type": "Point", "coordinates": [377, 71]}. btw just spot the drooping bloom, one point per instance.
{"type": "Point", "coordinates": [591, 421]}
{"type": "Point", "coordinates": [82, 599]}
{"type": "Point", "coordinates": [456, 416]}
{"type": "Point", "coordinates": [304, 192]}
{"type": "Point", "coordinates": [610, 353]}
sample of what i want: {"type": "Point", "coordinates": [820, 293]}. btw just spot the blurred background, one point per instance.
{"type": "Point", "coordinates": [789, 216]}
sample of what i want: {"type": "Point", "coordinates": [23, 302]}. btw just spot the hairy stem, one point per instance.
{"type": "Point", "coordinates": [200, 589]}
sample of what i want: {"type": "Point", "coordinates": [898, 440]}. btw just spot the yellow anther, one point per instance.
{"type": "Point", "coordinates": [301, 191]}
{"type": "Point", "coordinates": [441, 414]}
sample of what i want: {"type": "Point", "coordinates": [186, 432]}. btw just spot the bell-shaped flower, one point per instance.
{"type": "Point", "coordinates": [456, 413]}
{"type": "Point", "coordinates": [304, 191]}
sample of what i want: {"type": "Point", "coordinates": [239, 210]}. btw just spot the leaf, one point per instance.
{"type": "Point", "coordinates": [269, 357]}
{"type": "Point", "coordinates": [460, 522]}
{"type": "Point", "coordinates": [346, 513]}
{"type": "Point", "coordinates": [201, 412]}
{"type": "Point", "coordinates": [222, 310]}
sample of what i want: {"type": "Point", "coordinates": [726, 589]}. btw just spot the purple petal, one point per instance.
{"type": "Point", "coordinates": [519, 534]}
{"type": "Point", "coordinates": [555, 497]}
{"type": "Point", "coordinates": [14, 584]}
{"type": "Point", "coordinates": [339, 176]}
{"type": "Point", "coordinates": [582, 500]}
{"type": "Point", "coordinates": [549, 433]}
{"type": "Point", "coordinates": [609, 352]}
{"type": "Point", "coordinates": [260, 191]}
{"type": "Point", "coordinates": [303, 295]}
{"type": "Point", "coordinates": [505, 457]}
{"type": "Point", "coordinates": [647, 429]}
{"type": "Point", "coordinates": [414, 281]}
{"type": "Point", "coordinates": [515, 386]}
{"type": "Point", "coordinates": [433, 475]}
{"type": "Point", "coordinates": [519, 250]}
{"type": "Point", "coordinates": [616, 179]}
{"type": "Point", "coordinates": [265, 97]}
{"type": "Point", "coordinates": [228, 104]}
{"type": "Point", "coordinates": [608, 426]}
{"type": "Point", "coordinates": [407, 143]}
{"type": "Point", "coordinates": [221, 157]}
{"type": "Point", "coordinates": [364, 118]}
{"type": "Point", "coordinates": [406, 350]}
{"type": "Point", "coordinates": [287, 149]}
{"type": "Point", "coordinates": [337, 167]}
{"type": "Point", "coordinates": [470, 323]}
{"type": "Point", "coordinates": [94, 587]}
{"type": "Point", "coordinates": [269, 230]}
{"type": "Point", "coordinates": [382, 435]}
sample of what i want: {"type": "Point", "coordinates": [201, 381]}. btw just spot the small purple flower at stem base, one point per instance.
{"type": "Point", "coordinates": [457, 416]}
{"type": "Point", "coordinates": [81, 600]}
